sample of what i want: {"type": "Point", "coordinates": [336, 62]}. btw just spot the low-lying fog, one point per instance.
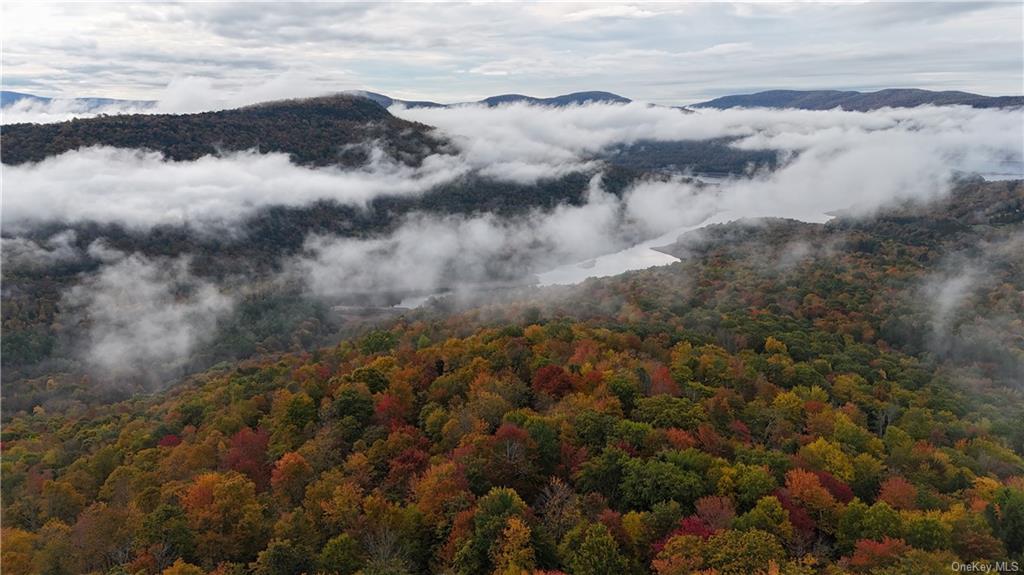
{"type": "Point", "coordinates": [830, 160]}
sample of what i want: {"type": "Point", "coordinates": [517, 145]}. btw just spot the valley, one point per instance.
{"type": "Point", "coordinates": [403, 289]}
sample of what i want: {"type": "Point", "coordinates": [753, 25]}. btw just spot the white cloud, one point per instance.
{"type": "Point", "coordinates": [503, 139]}
{"type": "Point", "coordinates": [27, 254]}
{"type": "Point", "coordinates": [421, 50]}
{"type": "Point", "coordinates": [145, 317]}
{"type": "Point", "coordinates": [609, 11]}
{"type": "Point", "coordinates": [843, 158]}
{"type": "Point", "coordinates": [190, 94]}
{"type": "Point", "coordinates": [139, 307]}
{"type": "Point", "coordinates": [948, 293]}
{"type": "Point", "coordinates": [426, 253]}
{"type": "Point", "coordinates": [61, 110]}
{"type": "Point", "coordinates": [143, 189]}
{"type": "Point", "coordinates": [182, 95]}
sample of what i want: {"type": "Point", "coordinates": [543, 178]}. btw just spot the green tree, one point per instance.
{"type": "Point", "coordinates": [1006, 515]}
{"type": "Point", "coordinates": [341, 555]}
{"type": "Point", "coordinates": [646, 482]}
{"type": "Point", "coordinates": [751, 483]}
{"type": "Point", "coordinates": [769, 516]}
{"type": "Point", "coordinates": [851, 525]}
{"type": "Point", "coordinates": [604, 474]}
{"type": "Point", "coordinates": [927, 531]}
{"type": "Point", "coordinates": [489, 521]}
{"type": "Point", "coordinates": [589, 549]}
{"type": "Point", "coordinates": [743, 552]}
{"type": "Point", "coordinates": [378, 341]}
{"type": "Point", "coordinates": [881, 521]}
{"type": "Point", "coordinates": [167, 526]}
{"type": "Point", "coordinates": [281, 557]}
{"type": "Point", "coordinates": [667, 411]}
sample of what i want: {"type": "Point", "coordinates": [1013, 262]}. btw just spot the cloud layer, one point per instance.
{"type": "Point", "coordinates": [142, 189]}
{"type": "Point", "coordinates": [427, 252]}
{"type": "Point", "coordinates": [673, 53]}
{"type": "Point", "coordinates": [841, 159]}
{"type": "Point", "coordinates": [144, 312]}
{"type": "Point", "coordinates": [144, 316]}
{"type": "Point", "coordinates": [182, 95]}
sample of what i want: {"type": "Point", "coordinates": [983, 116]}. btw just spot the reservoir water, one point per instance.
{"type": "Point", "coordinates": [643, 255]}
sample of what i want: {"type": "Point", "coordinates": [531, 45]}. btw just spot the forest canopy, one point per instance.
{"type": "Point", "coordinates": [777, 402]}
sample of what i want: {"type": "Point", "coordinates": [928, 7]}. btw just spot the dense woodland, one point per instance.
{"type": "Point", "coordinates": [36, 336]}
{"type": "Point", "coordinates": [37, 340]}
{"type": "Point", "coordinates": [314, 132]}
{"type": "Point", "coordinates": [331, 131]}
{"type": "Point", "coordinates": [783, 400]}
{"type": "Point", "coordinates": [712, 157]}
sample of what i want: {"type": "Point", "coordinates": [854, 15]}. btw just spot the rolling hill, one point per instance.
{"type": "Point", "coordinates": [799, 99]}
{"type": "Point", "coordinates": [314, 131]}
{"type": "Point", "coordinates": [576, 98]}
{"type": "Point", "coordinates": [778, 396]}
{"type": "Point", "coordinates": [859, 101]}
{"type": "Point", "coordinates": [573, 99]}
{"type": "Point", "coordinates": [9, 98]}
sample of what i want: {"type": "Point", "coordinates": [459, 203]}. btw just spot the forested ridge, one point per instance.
{"type": "Point", "coordinates": [786, 399]}
{"type": "Point", "coordinates": [321, 131]}
{"type": "Point", "coordinates": [330, 131]}
{"type": "Point", "coordinates": [315, 132]}
{"type": "Point", "coordinates": [860, 101]}
{"type": "Point", "coordinates": [36, 334]}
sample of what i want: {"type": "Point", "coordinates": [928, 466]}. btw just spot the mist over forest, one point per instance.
{"type": "Point", "coordinates": [350, 289]}
{"type": "Point", "coordinates": [382, 221]}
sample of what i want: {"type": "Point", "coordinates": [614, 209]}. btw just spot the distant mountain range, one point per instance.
{"type": "Point", "coordinates": [8, 98]}
{"type": "Point", "coordinates": [326, 131]}
{"type": "Point", "coordinates": [799, 99]}
{"type": "Point", "coordinates": [859, 101]}
{"type": "Point", "coordinates": [576, 98]}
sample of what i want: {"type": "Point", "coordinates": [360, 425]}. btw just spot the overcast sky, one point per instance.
{"type": "Point", "coordinates": [664, 52]}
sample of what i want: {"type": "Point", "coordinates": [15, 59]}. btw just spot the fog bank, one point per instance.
{"type": "Point", "coordinates": [147, 316]}
{"type": "Point", "coordinates": [144, 316]}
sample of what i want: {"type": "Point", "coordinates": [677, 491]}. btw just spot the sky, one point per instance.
{"type": "Point", "coordinates": [667, 53]}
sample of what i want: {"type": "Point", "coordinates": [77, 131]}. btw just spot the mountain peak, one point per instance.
{"type": "Point", "coordinates": [313, 131]}
{"type": "Point", "coordinates": [573, 99]}
{"type": "Point", "coordinates": [859, 101]}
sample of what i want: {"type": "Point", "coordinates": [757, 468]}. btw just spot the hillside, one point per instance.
{"type": "Point", "coordinates": [333, 130]}
{"type": "Point", "coordinates": [573, 99]}
{"type": "Point", "coordinates": [387, 101]}
{"type": "Point", "coordinates": [39, 340]}
{"type": "Point", "coordinates": [859, 101]}
{"type": "Point", "coordinates": [273, 319]}
{"type": "Point", "coordinates": [712, 157]}
{"type": "Point", "coordinates": [9, 98]}
{"type": "Point", "coordinates": [313, 131]}
{"type": "Point", "coordinates": [788, 393]}
{"type": "Point", "coordinates": [576, 98]}
{"type": "Point", "coordinates": [800, 99]}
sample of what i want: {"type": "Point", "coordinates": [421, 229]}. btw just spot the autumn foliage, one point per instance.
{"type": "Point", "coordinates": [714, 416]}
